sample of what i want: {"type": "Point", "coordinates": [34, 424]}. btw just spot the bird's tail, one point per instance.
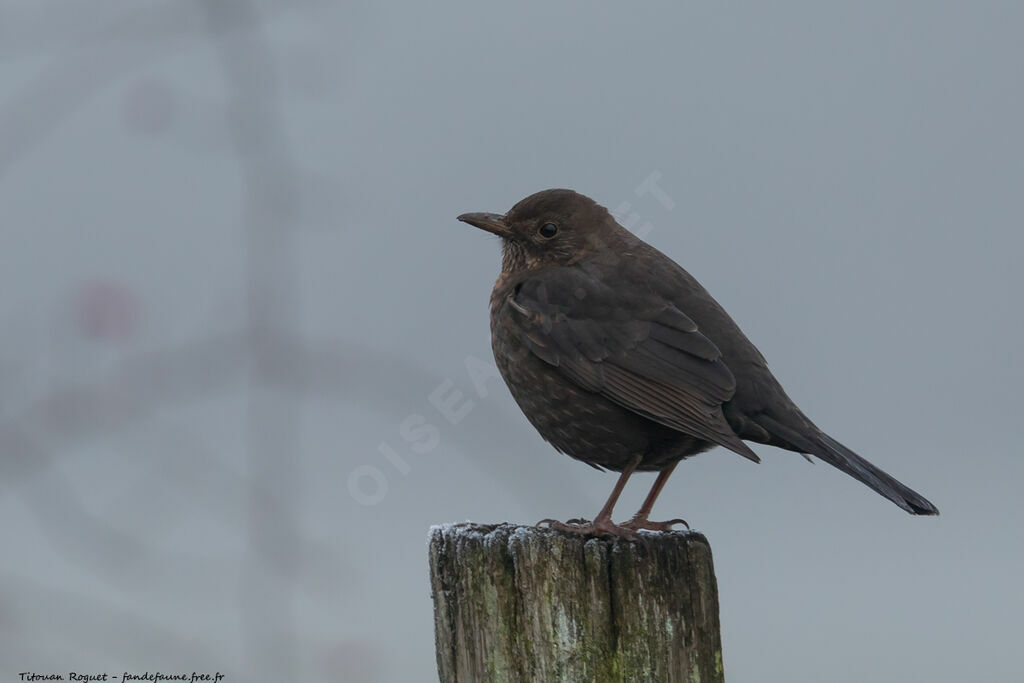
{"type": "Point", "coordinates": [839, 456]}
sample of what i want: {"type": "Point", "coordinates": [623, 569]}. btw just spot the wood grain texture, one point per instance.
{"type": "Point", "coordinates": [528, 604]}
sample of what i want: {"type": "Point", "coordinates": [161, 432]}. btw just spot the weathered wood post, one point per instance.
{"type": "Point", "coordinates": [527, 604]}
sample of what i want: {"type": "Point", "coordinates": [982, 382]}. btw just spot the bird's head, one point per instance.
{"type": "Point", "coordinates": [551, 227]}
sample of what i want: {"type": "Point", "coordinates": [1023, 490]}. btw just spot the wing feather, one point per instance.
{"type": "Point", "coordinates": [642, 353]}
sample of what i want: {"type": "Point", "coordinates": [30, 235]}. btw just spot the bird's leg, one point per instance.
{"type": "Point", "coordinates": [640, 520]}
{"type": "Point", "coordinates": [603, 523]}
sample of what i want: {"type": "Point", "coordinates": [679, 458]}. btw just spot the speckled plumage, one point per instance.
{"type": "Point", "coordinates": [578, 422]}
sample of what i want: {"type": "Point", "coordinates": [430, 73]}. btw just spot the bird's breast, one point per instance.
{"type": "Point", "coordinates": [580, 423]}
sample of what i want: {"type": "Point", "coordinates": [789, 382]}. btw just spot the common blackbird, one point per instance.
{"type": "Point", "coordinates": [621, 359]}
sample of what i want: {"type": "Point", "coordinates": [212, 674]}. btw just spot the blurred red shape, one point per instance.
{"type": "Point", "coordinates": [106, 310]}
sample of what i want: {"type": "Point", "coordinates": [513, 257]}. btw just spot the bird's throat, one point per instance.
{"type": "Point", "coordinates": [513, 256]}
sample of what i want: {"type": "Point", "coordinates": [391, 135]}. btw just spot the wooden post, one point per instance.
{"type": "Point", "coordinates": [527, 604]}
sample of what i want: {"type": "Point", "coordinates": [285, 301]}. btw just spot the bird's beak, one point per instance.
{"type": "Point", "coordinates": [491, 222]}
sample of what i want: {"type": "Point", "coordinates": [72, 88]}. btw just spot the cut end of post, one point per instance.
{"type": "Point", "coordinates": [526, 603]}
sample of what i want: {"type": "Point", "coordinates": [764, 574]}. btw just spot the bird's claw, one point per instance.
{"type": "Point", "coordinates": [646, 524]}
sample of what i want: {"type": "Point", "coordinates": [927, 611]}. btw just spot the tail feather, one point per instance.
{"type": "Point", "coordinates": [839, 456]}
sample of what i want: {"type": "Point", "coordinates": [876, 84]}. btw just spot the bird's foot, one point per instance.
{"type": "Point", "coordinates": [638, 523]}
{"type": "Point", "coordinates": [599, 527]}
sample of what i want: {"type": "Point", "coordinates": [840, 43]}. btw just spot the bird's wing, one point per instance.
{"type": "Point", "coordinates": [637, 350]}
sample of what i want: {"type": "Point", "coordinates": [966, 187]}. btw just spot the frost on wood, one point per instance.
{"type": "Point", "coordinates": [527, 604]}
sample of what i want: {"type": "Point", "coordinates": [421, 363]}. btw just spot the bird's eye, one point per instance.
{"type": "Point", "coordinates": [548, 230]}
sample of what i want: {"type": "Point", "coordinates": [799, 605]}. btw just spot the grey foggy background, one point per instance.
{"type": "Point", "coordinates": [231, 280]}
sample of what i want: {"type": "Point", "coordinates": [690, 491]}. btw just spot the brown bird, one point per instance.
{"type": "Point", "coordinates": [621, 359]}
